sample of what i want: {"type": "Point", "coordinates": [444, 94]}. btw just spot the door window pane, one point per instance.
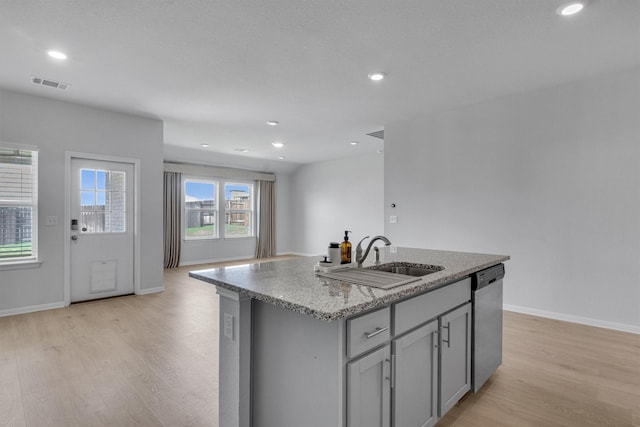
{"type": "Point", "coordinates": [115, 181]}
{"type": "Point", "coordinates": [116, 201]}
{"type": "Point", "coordinates": [88, 179]}
{"type": "Point", "coordinates": [116, 221]}
{"type": "Point", "coordinates": [87, 198]}
{"type": "Point", "coordinates": [101, 183]}
{"type": "Point", "coordinates": [102, 201]}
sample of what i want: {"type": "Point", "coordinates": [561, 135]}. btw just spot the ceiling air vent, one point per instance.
{"type": "Point", "coordinates": [377, 134]}
{"type": "Point", "coordinates": [50, 83]}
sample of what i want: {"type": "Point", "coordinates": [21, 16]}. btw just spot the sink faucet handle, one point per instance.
{"type": "Point", "coordinates": [377, 252]}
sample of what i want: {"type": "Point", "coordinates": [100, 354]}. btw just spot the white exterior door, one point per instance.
{"type": "Point", "coordinates": [102, 235]}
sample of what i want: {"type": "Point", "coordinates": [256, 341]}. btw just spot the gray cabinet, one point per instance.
{"type": "Point", "coordinates": [431, 369]}
{"type": "Point", "coordinates": [369, 390]}
{"type": "Point", "coordinates": [415, 377]}
{"type": "Point", "coordinates": [368, 331]}
{"type": "Point", "coordinates": [401, 365]}
{"type": "Point", "coordinates": [426, 368]}
{"type": "Point", "coordinates": [455, 356]}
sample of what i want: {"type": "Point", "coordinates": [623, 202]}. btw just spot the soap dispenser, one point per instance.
{"type": "Point", "coordinates": [345, 249]}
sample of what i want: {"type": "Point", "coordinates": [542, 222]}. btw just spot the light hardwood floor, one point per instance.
{"type": "Point", "coordinates": [152, 361]}
{"type": "Point", "coordinates": [557, 374]}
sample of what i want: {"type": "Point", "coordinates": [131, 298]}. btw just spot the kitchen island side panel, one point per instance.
{"type": "Point", "coordinates": [297, 369]}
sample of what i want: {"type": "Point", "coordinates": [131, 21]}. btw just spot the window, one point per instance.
{"type": "Point", "coordinates": [102, 201]}
{"type": "Point", "coordinates": [238, 210]}
{"type": "Point", "coordinates": [18, 205]}
{"type": "Point", "coordinates": [204, 219]}
{"type": "Point", "coordinates": [200, 209]}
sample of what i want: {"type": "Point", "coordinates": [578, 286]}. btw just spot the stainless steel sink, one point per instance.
{"type": "Point", "coordinates": [407, 268]}
{"type": "Point", "coordinates": [383, 276]}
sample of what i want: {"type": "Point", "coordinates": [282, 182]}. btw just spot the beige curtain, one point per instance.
{"type": "Point", "coordinates": [266, 242]}
{"type": "Point", "coordinates": [172, 220]}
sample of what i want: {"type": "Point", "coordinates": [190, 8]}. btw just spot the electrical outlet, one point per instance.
{"type": "Point", "coordinates": [393, 249]}
{"type": "Point", "coordinates": [393, 219]}
{"type": "Point", "coordinates": [228, 326]}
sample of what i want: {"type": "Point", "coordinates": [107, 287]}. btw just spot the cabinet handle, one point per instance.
{"type": "Point", "coordinates": [448, 340]}
{"type": "Point", "coordinates": [393, 371]}
{"type": "Point", "coordinates": [390, 377]}
{"type": "Point", "coordinates": [378, 331]}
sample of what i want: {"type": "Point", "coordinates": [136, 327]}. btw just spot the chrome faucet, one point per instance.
{"type": "Point", "coordinates": [359, 257]}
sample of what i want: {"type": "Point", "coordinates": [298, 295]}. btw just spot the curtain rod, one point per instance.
{"type": "Point", "coordinates": [217, 171]}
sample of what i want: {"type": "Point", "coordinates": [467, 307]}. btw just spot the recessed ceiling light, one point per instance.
{"type": "Point", "coordinates": [204, 145]}
{"type": "Point", "coordinates": [377, 76]}
{"type": "Point", "coordinates": [354, 143]}
{"type": "Point", "coordinates": [242, 150]}
{"type": "Point", "coordinates": [281, 157]}
{"type": "Point", "coordinates": [277, 144]}
{"type": "Point", "coordinates": [273, 123]}
{"type": "Point", "coordinates": [570, 8]}
{"type": "Point", "coordinates": [57, 54]}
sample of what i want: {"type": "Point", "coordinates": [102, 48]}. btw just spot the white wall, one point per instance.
{"type": "Point", "coordinates": [204, 251]}
{"type": "Point", "coordinates": [330, 197]}
{"type": "Point", "coordinates": [283, 214]}
{"type": "Point", "coordinates": [56, 127]}
{"type": "Point", "coordinates": [551, 178]}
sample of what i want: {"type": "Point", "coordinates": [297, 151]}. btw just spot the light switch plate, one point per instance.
{"type": "Point", "coordinates": [393, 219]}
{"type": "Point", "coordinates": [52, 220]}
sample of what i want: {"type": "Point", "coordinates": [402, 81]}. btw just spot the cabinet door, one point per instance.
{"type": "Point", "coordinates": [455, 356]}
{"type": "Point", "coordinates": [369, 390]}
{"type": "Point", "coordinates": [415, 378]}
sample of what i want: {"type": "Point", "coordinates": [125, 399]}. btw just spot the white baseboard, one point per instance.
{"type": "Point", "coordinates": [303, 254]}
{"type": "Point", "coordinates": [150, 290]}
{"type": "Point", "coordinates": [573, 319]}
{"type": "Point", "coordinates": [213, 261]}
{"type": "Point", "coordinates": [31, 309]}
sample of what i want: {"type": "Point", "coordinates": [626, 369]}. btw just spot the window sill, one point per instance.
{"type": "Point", "coordinates": [210, 239]}
{"type": "Point", "coordinates": [203, 239]}
{"type": "Point", "coordinates": [20, 265]}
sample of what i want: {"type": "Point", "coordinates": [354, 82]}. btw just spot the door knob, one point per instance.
{"type": "Point", "coordinates": [74, 237]}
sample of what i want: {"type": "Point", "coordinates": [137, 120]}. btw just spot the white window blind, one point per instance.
{"type": "Point", "coordinates": [18, 204]}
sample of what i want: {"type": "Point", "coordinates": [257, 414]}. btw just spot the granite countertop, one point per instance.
{"type": "Point", "coordinates": [293, 284]}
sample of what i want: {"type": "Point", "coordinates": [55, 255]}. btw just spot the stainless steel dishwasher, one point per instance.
{"type": "Point", "coordinates": [486, 294]}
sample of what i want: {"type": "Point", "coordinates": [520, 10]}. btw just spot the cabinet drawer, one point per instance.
{"type": "Point", "coordinates": [368, 331]}
{"type": "Point", "coordinates": [417, 310]}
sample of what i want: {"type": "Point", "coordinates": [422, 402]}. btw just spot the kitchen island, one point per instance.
{"type": "Point", "coordinates": [300, 349]}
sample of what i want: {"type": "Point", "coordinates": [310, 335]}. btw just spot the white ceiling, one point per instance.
{"type": "Point", "coordinates": [215, 71]}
